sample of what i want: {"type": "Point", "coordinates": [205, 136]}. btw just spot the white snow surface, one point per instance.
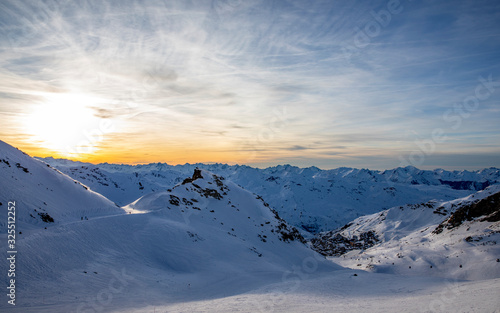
{"type": "Point", "coordinates": [39, 189]}
{"type": "Point", "coordinates": [190, 249]}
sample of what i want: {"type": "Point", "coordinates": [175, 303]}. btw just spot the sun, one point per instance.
{"type": "Point", "coordinates": [64, 123]}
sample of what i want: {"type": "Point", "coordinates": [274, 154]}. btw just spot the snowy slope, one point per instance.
{"type": "Point", "coordinates": [44, 196]}
{"type": "Point", "coordinates": [341, 291]}
{"type": "Point", "coordinates": [434, 239]}
{"type": "Point", "coordinates": [207, 206]}
{"type": "Point", "coordinates": [203, 244]}
{"type": "Point", "coordinates": [309, 198]}
{"type": "Point", "coordinates": [206, 237]}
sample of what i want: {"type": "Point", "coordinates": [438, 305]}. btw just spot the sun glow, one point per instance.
{"type": "Point", "coordinates": [65, 124]}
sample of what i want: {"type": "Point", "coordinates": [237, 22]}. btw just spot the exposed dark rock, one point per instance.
{"type": "Point", "coordinates": [472, 239]}
{"type": "Point", "coordinates": [18, 165]}
{"type": "Point", "coordinates": [441, 211]}
{"type": "Point", "coordinates": [174, 200]}
{"type": "Point", "coordinates": [196, 175]}
{"type": "Point", "coordinates": [46, 217]}
{"type": "Point", "coordinates": [186, 201]}
{"type": "Point", "coordinates": [212, 193]}
{"type": "Point", "coordinates": [487, 208]}
{"type": "Point", "coordinates": [272, 178]}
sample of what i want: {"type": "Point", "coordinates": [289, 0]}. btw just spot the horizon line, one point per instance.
{"type": "Point", "coordinates": [263, 168]}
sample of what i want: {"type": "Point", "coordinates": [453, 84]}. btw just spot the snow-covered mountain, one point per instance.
{"type": "Point", "coordinates": [308, 198]}
{"type": "Point", "coordinates": [204, 237]}
{"type": "Point", "coordinates": [212, 210]}
{"type": "Point", "coordinates": [201, 243]}
{"type": "Point", "coordinates": [44, 196]}
{"type": "Point", "coordinates": [451, 239]}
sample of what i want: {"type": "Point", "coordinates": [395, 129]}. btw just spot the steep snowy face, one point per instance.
{"type": "Point", "coordinates": [43, 196]}
{"type": "Point", "coordinates": [454, 239]}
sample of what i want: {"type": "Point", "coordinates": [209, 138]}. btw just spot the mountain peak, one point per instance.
{"type": "Point", "coordinates": [196, 175]}
{"type": "Point", "coordinates": [210, 201]}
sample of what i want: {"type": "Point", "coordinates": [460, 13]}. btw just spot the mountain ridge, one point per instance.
{"type": "Point", "coordinates": [309, 198]}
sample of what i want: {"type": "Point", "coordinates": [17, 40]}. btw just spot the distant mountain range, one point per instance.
{"type": "Point", "coordinates": [309, 198]}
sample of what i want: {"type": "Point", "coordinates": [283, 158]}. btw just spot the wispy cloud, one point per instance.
{"type": "Point", "coordinates": [208, 79]}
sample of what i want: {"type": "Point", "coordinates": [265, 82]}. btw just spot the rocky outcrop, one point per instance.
{"type": "Point", "coordinates": [487, 210]}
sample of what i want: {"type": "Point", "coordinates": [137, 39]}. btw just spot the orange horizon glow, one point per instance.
{"type": "Point", "coordinates": [165, 154]}
{"type": "Point", "coordinates": [155, 153]}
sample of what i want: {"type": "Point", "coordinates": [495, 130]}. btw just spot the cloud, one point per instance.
{"type": "Point", "coordinates": [296, 147]}
{"type": "Point", "coordinates": [217, 72]}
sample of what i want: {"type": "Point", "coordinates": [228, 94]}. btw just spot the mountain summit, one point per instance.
{"type": "Point", "coordinates": [210, 206]}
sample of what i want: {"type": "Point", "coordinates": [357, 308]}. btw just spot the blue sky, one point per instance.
{"type": "Point", "coordinates": [374, 84]}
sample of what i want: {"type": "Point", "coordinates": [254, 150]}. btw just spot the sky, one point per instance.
{"type": "Point", "coordinates": [366, 84]}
